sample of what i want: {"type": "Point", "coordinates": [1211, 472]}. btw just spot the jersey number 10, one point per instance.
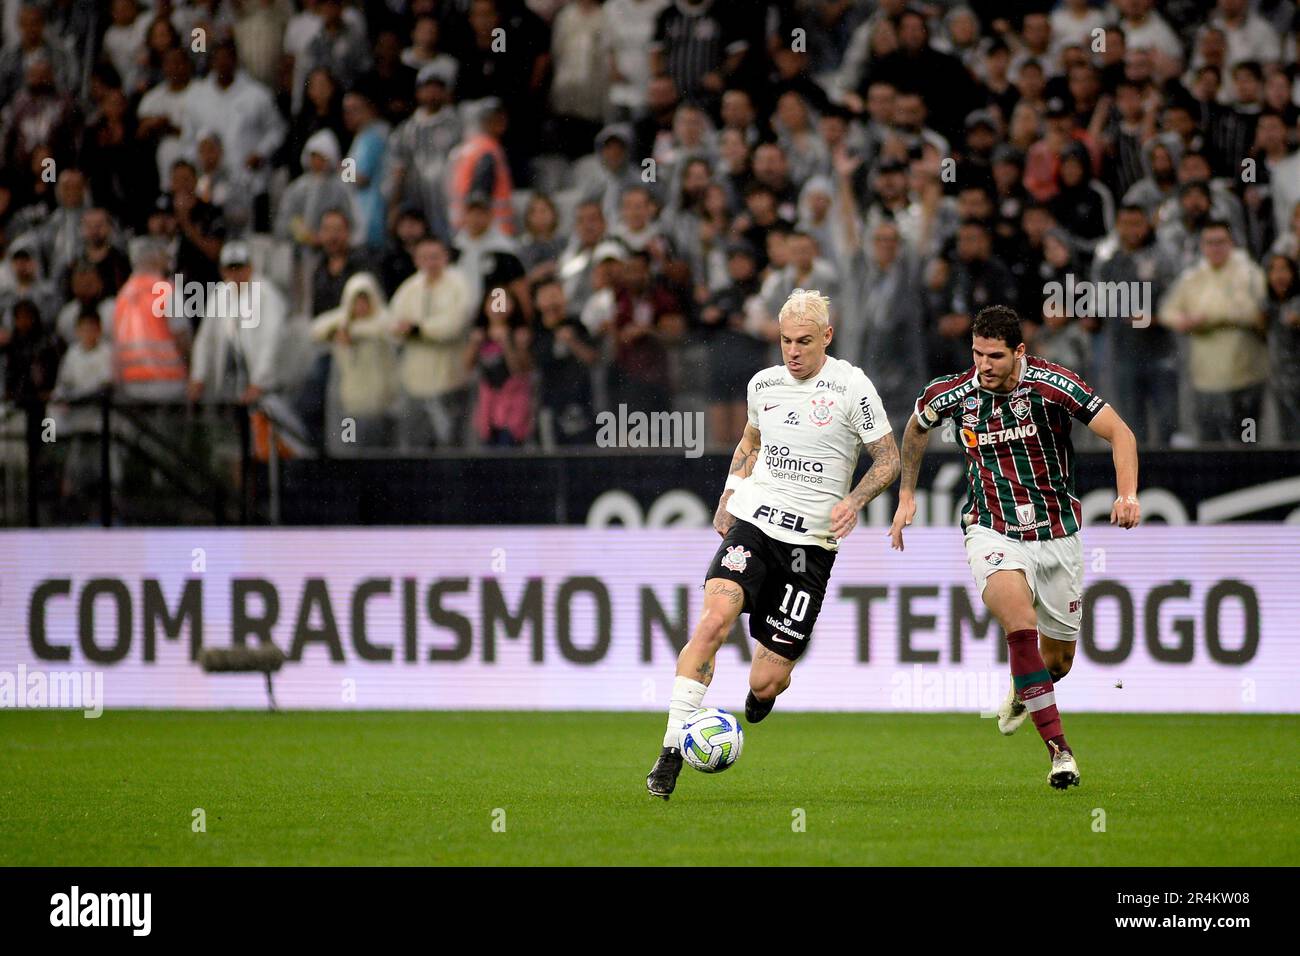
{"type": "Point", "coordinates": [800, 607]}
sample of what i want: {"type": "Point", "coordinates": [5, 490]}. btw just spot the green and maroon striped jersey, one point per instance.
{"type": "Point", "coordinates": [1019, 457]}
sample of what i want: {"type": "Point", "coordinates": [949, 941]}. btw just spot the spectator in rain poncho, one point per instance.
{"type": "Point", "coordinates": [880, 326]}
{"type": "Point", "coordinates": [795, 124]}
{"type": "Point", "coordinates": [363, 382]}
{"type": "Point", "coordinates": [602, 175]}
{"type": "Point", "coordinates": [319, 189]}
{"type": "Point", "coordinates": [23, 280]}
{"type": "Point", "coordinates": [420, 145]}
{"type": "Point", "coordinates": [236, 354]}
{"type": "Point", "coordinates": [817, 219]}
{"type": "Point", "coordinates": [1161, 179]}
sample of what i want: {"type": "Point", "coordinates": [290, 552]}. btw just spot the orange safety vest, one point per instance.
{"type": "Point", "coordinates": [143, 343]}
{"type": "Point", "coordinates": [471, 151]}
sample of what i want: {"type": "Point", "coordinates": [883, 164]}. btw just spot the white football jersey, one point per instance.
{"type": "Point", "coordinates": [812, 433]}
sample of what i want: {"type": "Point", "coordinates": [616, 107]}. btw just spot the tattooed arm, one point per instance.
{"type": "Point", "coordinates": [742, 463]}
{"type": "Point", "coordinates": [915, 441]}
{"type": "Point", "coordinates": [881, 474]}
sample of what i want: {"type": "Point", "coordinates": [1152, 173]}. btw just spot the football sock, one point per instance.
{"type": "Point", "coordinates": [688, 695]}
{"type": "Point", "coordinates": [1034, 685]}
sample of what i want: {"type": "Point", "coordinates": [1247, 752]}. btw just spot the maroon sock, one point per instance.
{"type": "Point", "coordinates": [1034, 685]}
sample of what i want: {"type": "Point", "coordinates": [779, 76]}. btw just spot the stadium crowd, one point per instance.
{"type": "Point", "coordinates": [479, 222]}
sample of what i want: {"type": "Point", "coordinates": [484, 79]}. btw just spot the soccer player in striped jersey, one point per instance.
{"type": "Point", "coordinates": [1022, 518]}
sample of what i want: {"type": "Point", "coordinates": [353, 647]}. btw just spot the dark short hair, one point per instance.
{"type": "Point", "coordinates": [1249, 66]}
{"type": "Point", "coordinates": [1218, 224]}
{"type": "Point", "coordinates": [998, 322]}
{"type": "Point", "coordinates": [543, 283]}
{"type": "Point", "coordinates": [336, 211]}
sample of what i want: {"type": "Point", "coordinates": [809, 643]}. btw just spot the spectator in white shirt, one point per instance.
{"type": "Point", "coordinates": [243, 112]}
{"type": "Point", "coordinates": [124, 39]}
{"type": "Point", "coordinates": [236, 353]}
{"type": "Point", "coordinates": [1145, 29]}
{"type": "Point", "coordinates": [1249, 36]}
{"type": "Point", "coordinates": [86, 370]}
{"type": "Point", "coordinates": [1073, 22]}
{"type": "Point", "coordinates": [630, 27]}
{"type": "Point", "coordinates": [162, 111]}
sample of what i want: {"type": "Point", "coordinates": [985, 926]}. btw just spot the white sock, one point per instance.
{"type": "Point", "coordinates": [688, 695]}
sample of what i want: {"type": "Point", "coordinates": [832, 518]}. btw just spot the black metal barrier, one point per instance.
{"type": "Point", "coordinates": [161, 464]}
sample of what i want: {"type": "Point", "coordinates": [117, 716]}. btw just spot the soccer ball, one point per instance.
{"type": "Point", "coordinates": [711, 740]}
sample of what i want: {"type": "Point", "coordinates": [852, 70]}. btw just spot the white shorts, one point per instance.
{"type": "Point", "coordinates": [1053, 568]}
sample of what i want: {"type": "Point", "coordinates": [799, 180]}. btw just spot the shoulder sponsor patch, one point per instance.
{"type": "Point", "coordinates": [868, 414]}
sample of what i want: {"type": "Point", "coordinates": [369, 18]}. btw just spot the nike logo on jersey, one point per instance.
{"type": "Point", "coordinates": [768, 408]}
{"type": "Point", "coordinates": [781, 640]}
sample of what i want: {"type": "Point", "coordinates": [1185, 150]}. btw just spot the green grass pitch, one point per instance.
{"type": "Point", "coordinates": [426, 788]}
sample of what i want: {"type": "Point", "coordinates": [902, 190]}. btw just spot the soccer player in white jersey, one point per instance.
{"type": "Point", "coordinates": [1022, 518]}
{"type": "Point", "coordinates": [786, 507]}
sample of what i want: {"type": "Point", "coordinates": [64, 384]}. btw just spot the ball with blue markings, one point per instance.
{"type": "Point", "coordinates": [711, 740]}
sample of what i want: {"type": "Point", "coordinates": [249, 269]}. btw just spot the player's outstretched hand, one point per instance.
{"type": "Point", "coordinates": [1126, 512]}
{"type": "Point", "coordinates": [844, 518]}
{"type": "Point", "coordinates": [902, 518]}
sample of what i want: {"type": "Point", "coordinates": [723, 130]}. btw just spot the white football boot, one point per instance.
{"type": "Point", "coordinates": [1011, 713]}
{"type": "Point", "coordinates": [1065, 772]}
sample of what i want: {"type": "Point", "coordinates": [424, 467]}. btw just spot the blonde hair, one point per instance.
{"type": "Point", "coordinates": [807, 304]}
